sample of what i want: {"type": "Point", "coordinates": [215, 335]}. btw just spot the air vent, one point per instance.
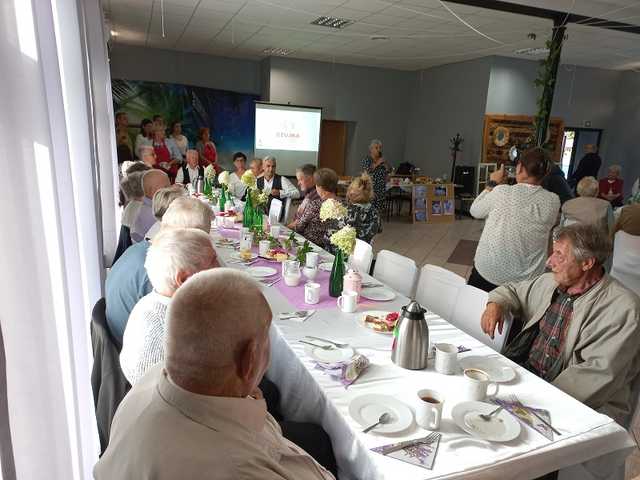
{"type": "Point", "coordinates": [280, 52]}
{"type": "Point", "coordinates": [532, 51]}
{"type": "Point", "coordinates": [332, 22]}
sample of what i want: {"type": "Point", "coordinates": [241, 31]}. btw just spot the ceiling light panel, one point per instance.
{"type": "Point", "coordinates": [332, 22]}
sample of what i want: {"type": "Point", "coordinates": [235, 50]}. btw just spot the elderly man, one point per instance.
{"type": "Point", "coordinates": [307, 185]}
{"type": "Point", "coordinates": [190, 170]}
{"type": "Point", "coordinates": [175, 255]}
{"type": "Point", "coordinates": [256, 167]}
{"type": "Point", "coordinates": [152, 181]}
{"type": "Point", "coordinates": [148, 155]}
{"type": "Point", "coordinates": [201, 415]}
{"type": "Point", "coordinates": [161, 201]}
{"type": "Point", "coordinates": [581, 327]}
{"type": "Point", "coordinates": [275, 185]}
{"type": "Point", "coordinates": [128, 282]}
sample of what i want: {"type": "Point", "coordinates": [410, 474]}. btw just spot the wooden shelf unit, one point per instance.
{"type": "Point", "coordinates": [432, 203]}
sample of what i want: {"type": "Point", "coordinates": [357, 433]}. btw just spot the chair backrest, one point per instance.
{"type": "Point", "coordinates": [437, 290]}
{"type": "Point", "coordinates": [467, 312]}
{"type": "Point", "coordinates": [362, 256]}
{"type": "Point", "coordinates": [124, 242]}
{"type": "Point", "coordinates": [626, 260]}
{"type": "Point", "coordinates": [287, 211]}
{"type": "Point", "coordinates": [275, 210]}
{"type": "Point", "coordinates": [396, 271]}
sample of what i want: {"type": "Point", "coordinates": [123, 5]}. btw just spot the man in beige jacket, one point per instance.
{"type": "Point", "coordinates": [581, 327]}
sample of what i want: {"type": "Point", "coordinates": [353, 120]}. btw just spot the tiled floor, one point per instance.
{"type": "Point", "coordinates": [434, 244]}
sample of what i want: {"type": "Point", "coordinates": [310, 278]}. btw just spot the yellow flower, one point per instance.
{"type": "Point", "coordinates": [210, 173]}
{"type": "Point", "coordinates": [332, 209]}
{"type": "Point", "coordinates": [345, 239]}
{"type": "Point", "coordinates": [249, 179]}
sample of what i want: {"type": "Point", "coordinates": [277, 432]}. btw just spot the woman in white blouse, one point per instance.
{"type": "Point", "coordinates": [145, 137]}
{"type": "Point", "coordinates": [519, 219]}
{"type": "Point", "coordinates": [180, 140]}
{"type": "Point", "coordinates": [240, 163]}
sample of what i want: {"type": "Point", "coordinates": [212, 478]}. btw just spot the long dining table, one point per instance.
{"type": "Point", "coordinates": [591, 445]}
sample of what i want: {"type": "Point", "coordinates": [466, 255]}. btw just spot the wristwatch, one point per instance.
{"type": "Point", "coordinates": [492, 184]}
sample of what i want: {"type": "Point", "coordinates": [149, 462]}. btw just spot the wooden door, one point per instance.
{"type": "Point", "coordinates": [333, 145]}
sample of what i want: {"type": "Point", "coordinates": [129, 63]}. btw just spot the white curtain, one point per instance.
{"type": "Point", "coordinates": [50, 240]}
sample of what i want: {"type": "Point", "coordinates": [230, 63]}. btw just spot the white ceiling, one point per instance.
{"type": "Point", "coordinates": [421, 33]}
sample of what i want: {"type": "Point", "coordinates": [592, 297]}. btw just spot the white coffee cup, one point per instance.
{"type": "Point", "coordinates": [312, 259]}
{"type": "Point", "coordinates": [311, 293]}
{"type": "Point", "coordinates": [476, 384]}
{"type": "Point", "coordinates": [228, 221]}
{"type": "Point", "coordinates": [348, 302]}
{"type": "Point", "coordinates": [275, 231]}
{"type": "Point", "coordinates": [219, 221]}
{"type": "Point", "coordinates": [446, 358]}
{"type": "Point", "coordinates": [246, 241]}
{"type": "Point", "coordinates": [429, 409]}
{"type": "Point", "coordinates": [263, 247]}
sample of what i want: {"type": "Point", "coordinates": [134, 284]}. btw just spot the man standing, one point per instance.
{"type": "Point", "coordinates": [200, 414]}
{"type": "Point", "coordinates": [152, 181]}
{"type": "Point", "coordinates": [588, 166]}
{"type": "Point", "coordinates": [275, 185]}
{"type": "Point", "coordinates": [581, 327]}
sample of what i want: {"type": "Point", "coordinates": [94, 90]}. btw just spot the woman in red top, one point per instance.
{"type": "Point", "coordinates": [164, 161]}
{"type": "Point", "coordinates": [612, 187]}
{"type": "Point", "coordinates": [207, 150]}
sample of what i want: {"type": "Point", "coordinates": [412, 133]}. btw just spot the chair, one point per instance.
{"type": "Point", "coordinates": [626, 260]}
{"type": "Point", "coordinates": [124, 242]}
{"type": "Point", "coordinates": [362, 256]}
{"type": "Point", "coordinates": [396, 271]}
{"type": "Point", "coordinates": [467, 312]}
{"type": "Point", "coordinates": [275, 211]}
{"type": "Point", "coordinates": [287, 211]}
{"type": "Point", "coordinates": [437, 290]}
{"type": "Point", "coordinates": [108, 383]}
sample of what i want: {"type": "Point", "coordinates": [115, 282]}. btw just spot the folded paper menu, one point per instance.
{"type": "Point", "coordinates": [422, 455]}
{"type": "Point", "coordinates": [345, 372]}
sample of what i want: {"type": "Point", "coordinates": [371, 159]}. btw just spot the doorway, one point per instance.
{"type": "Point", "coordinates": [573, 146]}
{"type": "Point", "coordinates": [333, 145]}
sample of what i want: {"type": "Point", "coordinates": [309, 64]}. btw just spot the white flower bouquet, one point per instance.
{"type": "Point", "coordinates": [249, 179]}
{"type": "Point", "coordinates": [210, 173]}
{"type": "Point", "coordinates": [332, 209]}
{"type": "Point", "coordinates": [344, 239]}
{"type": "Point", "coordinates": [223, 178]}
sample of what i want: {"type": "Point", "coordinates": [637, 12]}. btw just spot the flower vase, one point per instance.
{"type": "Point", "coordinates": [207, 190]}
{"type": "Point", "coordinates": [223, 199]}
{"type": "Point", "coordinates": [248, 212]}
{"type": "Point", "coordinates": [337, 275]}
{"type": "Point", "coordinates": [257, 217]}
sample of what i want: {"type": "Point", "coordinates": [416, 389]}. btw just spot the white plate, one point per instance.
{"type": "Point", "coordinates": [381, 294]}
{"type": "Point", "coordinates": [261, 272]}
{"type": "Point", "coordinates": [366, 410]}
{"type": "Point", "coordinates": [375, 313]}
{"type": "Point", "coordinates": [326, 266]}
{"type": "Point", "coordinates": [501, 428]}
{"type": "Point", "coordinates": [493, 366]}
{"type": "Point", "coordinates": [236, 256]}
{"type": "Point", "coordinates": [328, 356]}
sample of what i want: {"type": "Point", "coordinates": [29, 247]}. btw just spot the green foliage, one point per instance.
{"type": "Point", "coordinates": [546, 81]}
{"type": "Point", "coordinates": [301, 254]}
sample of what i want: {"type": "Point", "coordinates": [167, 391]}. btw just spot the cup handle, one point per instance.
{"type": "Point", "coordinates": [494, 393]}
{"type": "Point", "coordinates": [434, 418]}
{"type": "Point", "coordinates": [339, 303]}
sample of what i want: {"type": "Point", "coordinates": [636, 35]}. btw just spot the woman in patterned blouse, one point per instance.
{"type": "Point", "coordinates": [361, 214]}
{"type": "Point", "coordinates": [309, 224]}
{"type": "Point", "coordinates": [375, 165]}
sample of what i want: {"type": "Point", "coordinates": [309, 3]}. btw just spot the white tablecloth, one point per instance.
{"type": "Point", "coordinates": [310, 395]}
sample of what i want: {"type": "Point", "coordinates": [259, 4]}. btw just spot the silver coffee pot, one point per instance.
{"type": "Point", "coordinates": [411, 344]}
{"type": "Point", "coordinates": [199, 185]}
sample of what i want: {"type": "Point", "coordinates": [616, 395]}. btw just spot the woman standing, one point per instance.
{"type": "Point", "coordinates": [179, 139]}
{"type": "Point", "coordinates": [145, 137]}
{"type": "Point", "coordinates": [361, 214]}
{"type": "Point", "coordinates": [375, 165]}
{"type": "Point", "coordinates": [612, 187]}
{"type": "Point", "coordinates": [167, 156]}
{"type": "Point", "coordinates": [207, 150]}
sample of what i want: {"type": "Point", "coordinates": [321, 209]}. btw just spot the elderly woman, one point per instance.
{"type": "Point", "coordinates": [207, 149]}
{"type": "Point", "coordinates": [612, 187]}
{"type": "Point", "coordinates": [361, 214]}
{"type": "Point", "coordinates": [588, 208]}
{"type": "Point", "coordinates": [168, 155]}
{"type": "Point", "coordinates": [131, 186]}
{"type": "Point", "coordinates": [161, 201]}
{"type": "Point", "coordinates": [374, 164]}
{"type": "Point", "coordinates": [308, 224]}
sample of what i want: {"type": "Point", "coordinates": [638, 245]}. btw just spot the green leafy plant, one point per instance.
{"type": "Point", "coordinates": [291, 241]}
{"type": "Point", "coordinates": [547, 73]}
{"type": "Point", "coordinates": [301, 254]}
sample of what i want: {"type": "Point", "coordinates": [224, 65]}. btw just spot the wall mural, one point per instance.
{"type": "Point", "coordinates": [229, 115]}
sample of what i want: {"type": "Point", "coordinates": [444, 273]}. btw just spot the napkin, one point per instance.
{"type": "Point", "coordinates": [526, 418]}
{"type": "Point", "coordinates": [345, 372]}
{"type": "Point", "coordinates": [421, 455]}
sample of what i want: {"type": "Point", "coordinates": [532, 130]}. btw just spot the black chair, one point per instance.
{"type": "Point", "coordinates": [124, 242]}
{"type": "Point", "coordinates": [108, 383]}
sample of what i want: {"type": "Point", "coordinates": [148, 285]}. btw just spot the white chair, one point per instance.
{"type": "Point", "coordinates": [362, 256]}
{"type": "Point", "coordinates": [467, 313]}
{"type": "Point", "coordinates": [626, 260]}
{"type": "Point", "coordinates": [437, 290]}
{"type": "Point", "coordinates": [287, 210]}
{"type": "Point", "coordinates": [396, 271]}
{"type": "Point", "coordinates": [274, 211]}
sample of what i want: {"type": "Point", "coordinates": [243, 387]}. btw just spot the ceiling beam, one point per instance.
{"type": "Point", "coordinates": [556, 16]}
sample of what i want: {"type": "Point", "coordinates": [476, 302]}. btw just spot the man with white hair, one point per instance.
{"type": "Point", "coordinates": [161, 201]}
{"type": "Point", "coordinates": [581, 327]}
{"type": "Point", "coordinates": [200, 414]}
{"type": "Point", "coordinates": [275, 185]}
{"type": "Point", "coordinates": [175, 255]}
{"type": "Point", "coordinates": [128, 282]}
{"type": "Point", "coordinates": [152, 181]}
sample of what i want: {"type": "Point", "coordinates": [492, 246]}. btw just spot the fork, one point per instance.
{"type": "Point", "coordinates": [337, 344]}
{"type": "Point", "coordinates": [288, 315]}
{"type": "Point", "coordinates": [515, 399]}
{"type": "Point", "coordinates": [429, 439]}
{"type": "Point", "coordinates": [323, 347]}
